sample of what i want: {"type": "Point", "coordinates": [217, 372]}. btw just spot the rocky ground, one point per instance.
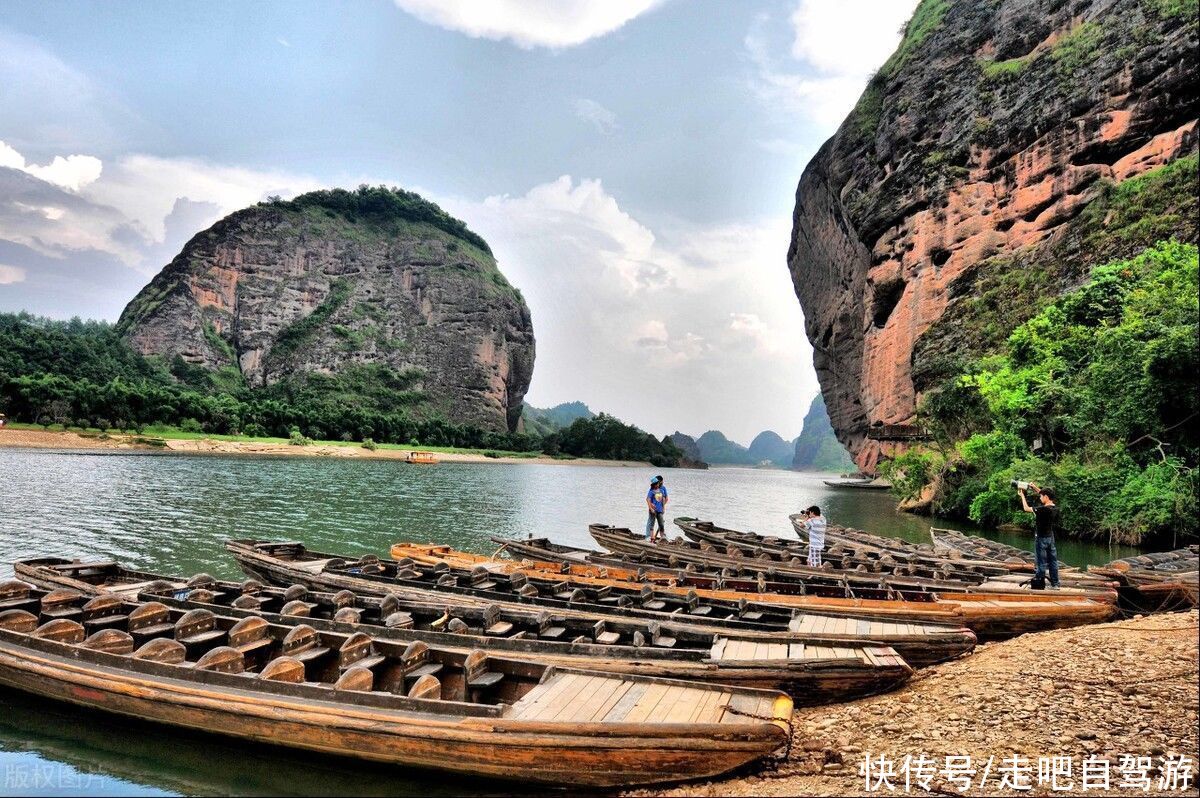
{"type": "Point", "coordinates": [1100, 692]}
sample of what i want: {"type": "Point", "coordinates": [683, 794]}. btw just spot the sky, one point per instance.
{"type": "Point", "coordinates": [632, 163]}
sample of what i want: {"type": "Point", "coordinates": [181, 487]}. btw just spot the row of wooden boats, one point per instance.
{"type": "Point", "coordinates": [281, 666]}
{"type": "Point", "coordinates": [1153, 582]}
{"type": "Point", "coordinates": [638, 663]}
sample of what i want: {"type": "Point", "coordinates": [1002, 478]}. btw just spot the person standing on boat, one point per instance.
{"type": "Point", "coordinates": [816, 535]}
{"type": "Point", "coordinates": [1045, 519]}
{"type": "Point", "coordinates": [656, 504]}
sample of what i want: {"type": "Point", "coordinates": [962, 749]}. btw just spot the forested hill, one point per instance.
{"type": "Point", "coordinates": [376, 288]}
{"type": "Point", "coordinates": [543, 421]}
{"type": "Point", "coordinates": [817, 448]}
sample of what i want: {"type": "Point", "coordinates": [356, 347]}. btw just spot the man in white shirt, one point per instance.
{"type": "Point", "coordinates": [816, 535]}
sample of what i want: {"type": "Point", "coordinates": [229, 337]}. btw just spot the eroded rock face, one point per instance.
{"type": "Point", "coordinates": [279, 289]}
{"type": "Point", "coordinates": [986, 136]}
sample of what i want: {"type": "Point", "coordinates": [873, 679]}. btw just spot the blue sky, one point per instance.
{"type": "Point", "coordinates": [631, 162]}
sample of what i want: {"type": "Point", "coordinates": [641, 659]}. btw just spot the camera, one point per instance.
{"type": "Point", "coordinates": [1019, 485]}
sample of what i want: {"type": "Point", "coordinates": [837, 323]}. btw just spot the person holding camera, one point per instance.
{"type": "Point", "coordinates": [816, 535]}
{"type": "Point", "coordinates": [1045, 519]}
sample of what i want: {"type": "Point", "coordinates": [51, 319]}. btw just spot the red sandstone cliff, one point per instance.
{"type": "Point", "coordinates": [985, 143]}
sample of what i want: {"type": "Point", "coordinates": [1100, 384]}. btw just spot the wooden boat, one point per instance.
{"type": "Point", "coordinates": [1157, 581]}
{"type": "Point", "coordinates": [992, 615]}
{"type": "Point", "coordinates": [360, 696]}
{"type": "Point", "coordinates": [1073, 579]}
{"type": "Point", "coordinates": [952, 543]}
{"type": "Point", "coordinates": [683, 562]}
{"type": "Point", "coordinates": [421, 458]}
{"type": "Point", "coordinates": [782, 558]}
{"type": "Point", "coordinates": [857, 484]}
{"type": "Point", "coordinates": [787, 560]}
{"type": "Point", "coordinates": [813, 671]}
{"type": "Point", "coordinates": [918, 640]}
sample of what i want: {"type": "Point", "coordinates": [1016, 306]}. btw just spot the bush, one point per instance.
{"type": "Point", "coordinates": [190, 425]}
{"type": "Point", "coordinates": [1096, 395]}
{"type": "Point", "coordinates": [369, 444]}
{"type": "Point", "coordinates": [297, 438]}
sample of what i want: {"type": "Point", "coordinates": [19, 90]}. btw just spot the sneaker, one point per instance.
{"type": "Point", "coordinates": [1055, 587]}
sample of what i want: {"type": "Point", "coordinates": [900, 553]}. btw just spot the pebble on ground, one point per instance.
{"type": "Point", "coordinates": [1127, 688]}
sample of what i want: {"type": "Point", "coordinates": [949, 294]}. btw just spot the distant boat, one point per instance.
{"type": "Point", "coordinates": [421, 458]}
{"type": "Point", "coordinates": [859, 484]}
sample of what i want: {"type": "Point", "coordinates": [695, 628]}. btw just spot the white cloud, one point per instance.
{"type": "Point", "coordinates": [689, 328]}
{"type": "Point", "coordinates": [144, 187]}
{"type": "Point", "coordinates": [836, 47]}
{"type": "Point", "coordinates": [72, 172]}
{"type": "Point", "coordinates": [848, 37]}
{"type": "Point", "coordinates": [529, 23]}
{"type": "Point", "coordinates": [76, 203]}
{"type": "Point", "coordinates": [11, 274]}
{"type": "Point", "coordinates": [591, 111]}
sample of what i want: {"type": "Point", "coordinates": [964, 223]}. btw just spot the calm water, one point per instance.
{"type": "Point", "coordinates": [170, 513]}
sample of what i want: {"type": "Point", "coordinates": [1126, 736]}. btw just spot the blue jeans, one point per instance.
{"type": "Point", "coordinates": [651, 517]}
{"type": "Point", "coordinates": [1047, 557]}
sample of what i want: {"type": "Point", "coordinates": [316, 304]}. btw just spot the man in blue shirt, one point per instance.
{"type": "Point", "coordinates": [656, 503]}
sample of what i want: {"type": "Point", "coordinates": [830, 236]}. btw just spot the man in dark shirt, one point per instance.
{"type": "Point", "coordinates": [1045, 519]}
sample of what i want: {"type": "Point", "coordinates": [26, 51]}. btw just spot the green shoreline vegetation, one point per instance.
{"type": "Point", "coordinates": [1094, 395]}
{"type": "Point", "coordinates": [83, 374]}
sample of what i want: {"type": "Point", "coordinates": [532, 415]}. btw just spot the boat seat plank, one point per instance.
{"type": "Point", "coordinates": [499, 629]}
{"type": "Point", "coordinates": [428, 669]}
{"type": "Point", "coordinates": [131, 588]}
{"type": "Point", "coordinates": [153, 630]}
{"type": "Point", "coordinates": [200, 638]}
{"type": "Point", "coordinates": [106, 622]}
{"type": "Point", "coordinates": [310, 654]}
{"type": "Point", "coordinates": [54, 613]}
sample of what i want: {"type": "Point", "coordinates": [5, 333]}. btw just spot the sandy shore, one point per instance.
{"type": "Point", "coordinates": [1107, 691]}
{"type": "Point", "coordinates": [58, 439]}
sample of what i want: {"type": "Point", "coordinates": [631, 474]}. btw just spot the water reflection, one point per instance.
{"type": "Point", "coordinates": [52, 749]}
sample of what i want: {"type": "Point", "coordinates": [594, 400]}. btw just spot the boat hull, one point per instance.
{"type": "Point", "coordinates": [585, 754]}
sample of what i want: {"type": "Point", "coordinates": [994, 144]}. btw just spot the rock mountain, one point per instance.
{"type": "Point", "coordinates": [983, 169]}
{"type": "Point", "coordinates": [334, 281]}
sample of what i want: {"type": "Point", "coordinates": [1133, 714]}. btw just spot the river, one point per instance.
{"type": "Point", "coordinates": [170, 513]}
